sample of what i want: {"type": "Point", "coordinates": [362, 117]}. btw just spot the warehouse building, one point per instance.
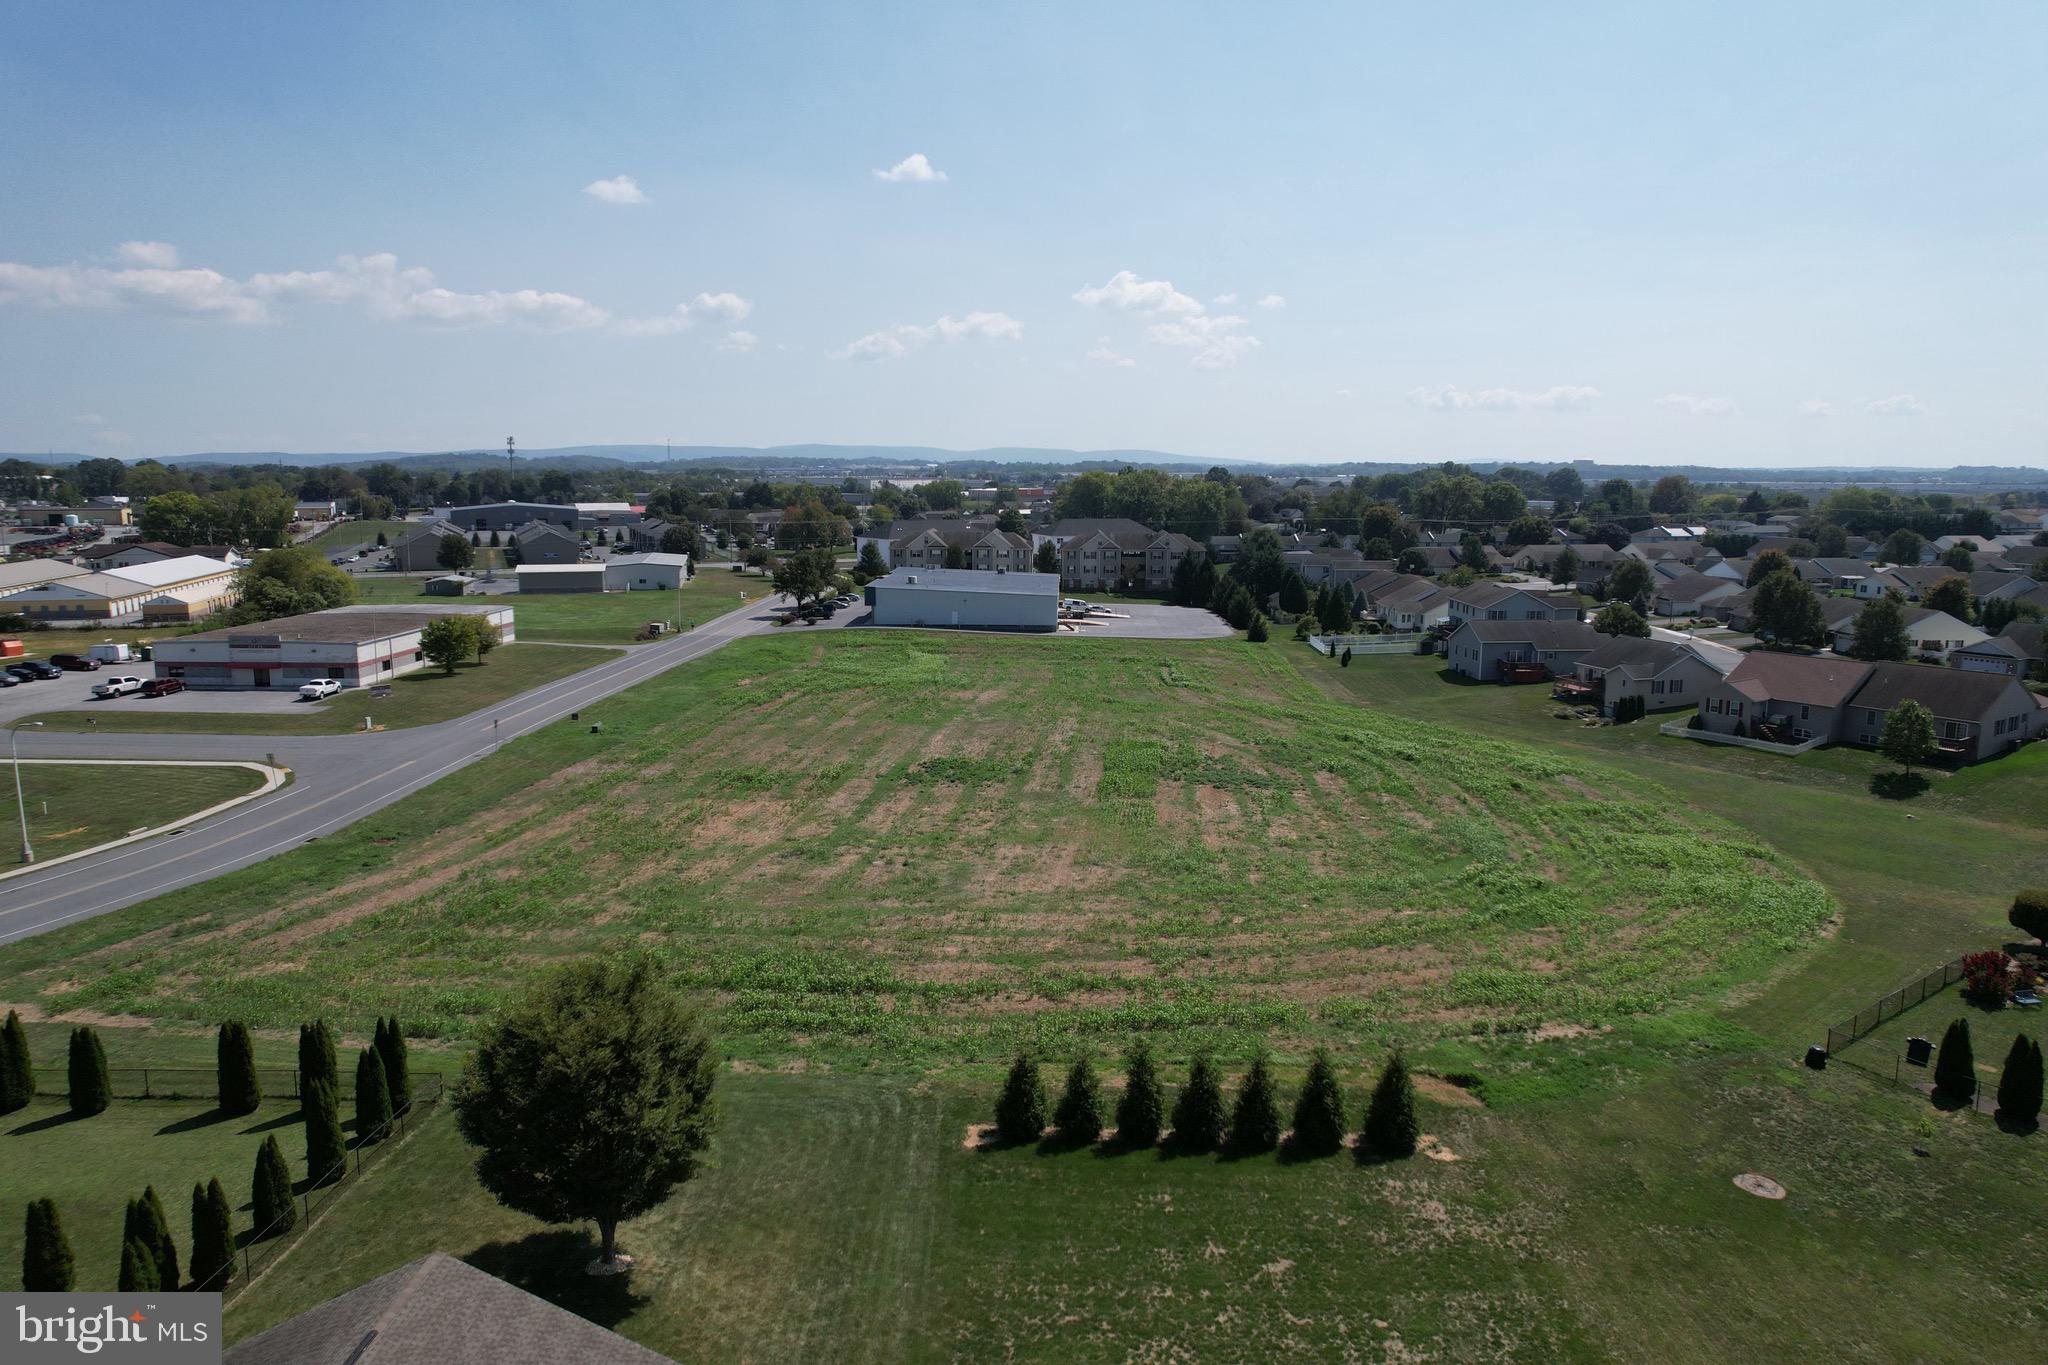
{"type": "Point", "coordinates": [201, 586]}
{"type": "Point", "coordinates": [561, 578]}
{"type": "Point", "coordinates": [969, 598]}
{"type": "Point", "coordinates": [637, 573]}
{"type": "Point", "coordinates": [355, 646]}
{"type": "Point", "coordinates": [504, 516]}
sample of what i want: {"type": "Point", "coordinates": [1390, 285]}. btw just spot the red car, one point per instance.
{"type": "Point", "coordinates": [162, 687]}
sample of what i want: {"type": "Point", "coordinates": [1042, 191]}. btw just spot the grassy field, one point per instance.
{"type": "Point", "coordinates": [71, 807]}
{"type": "Point", "coordinates": [422, 698]}
{"type": "Point", "coordinates": [589, 618]}
{"type": "Point", "coordinates": [799, 826]}
{"type": "Point", "coordinates": [351, 534]}
{"type": "Point", "coordinates": [914, 848]}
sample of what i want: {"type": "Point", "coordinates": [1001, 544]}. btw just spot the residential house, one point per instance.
{"type": "Point", "coordinates": [1664, 673]}
{"type": "Point", "coordinates": [981, 547]}
{"type": "Point", "coordinates": [1101, 554]}
{"type": "Point", "coordinates": [2028, 519]}
{"type": "Point", "coordinates": [1410, 604]}
{"type": "Point", "coordinates": [1507, 602]}
{"type": "Point", "coordinates": [646, 535]}
{"type": "Point", "coordinates": [1830, 575]}
{"type": "Point", "coordinates": [1913, 581]}
{"type": "Point", "coordinates": [1673, 537]}
{"type": "Point", "coordinates": [1692, 594]}
{"type": "Point", "coordinates": [885, 536]}
{"type": "Point", "coordinates": [1976, 715]}
{"type": "Point", "coordinates": [1933, 634]}
{"type": "Point", "coordinates": [1786, 698]}
{"type": "Point", "coordinates": [2020, 652]}
{"type": "Point", "coordinates": [315, 509]}
{"type": "Point", "coordinates": [1987, 584]}
{"type": "Point", "coordinates": [417, 549]}
{"type": "Point", "coordinates": [1486, 649]}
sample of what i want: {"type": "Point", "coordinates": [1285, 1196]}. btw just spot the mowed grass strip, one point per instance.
{"type": "Point", "coordinates": [75, 806]}
{"type": "Point", "coordinates": [423, 698]}
{"type": "Point", "coordinates": [924, 848]}
{"type": "Point", "coordinates": [591, 618]}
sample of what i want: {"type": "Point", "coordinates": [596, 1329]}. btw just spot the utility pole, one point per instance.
{"type": "Point", "coordinates": [508, 457]}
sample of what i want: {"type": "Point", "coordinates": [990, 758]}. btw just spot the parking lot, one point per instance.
{"type": "Point", "coordinates": [73, 692]}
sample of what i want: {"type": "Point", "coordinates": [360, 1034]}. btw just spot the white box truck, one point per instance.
{"type": "Point", "coordinates": [111, 654]}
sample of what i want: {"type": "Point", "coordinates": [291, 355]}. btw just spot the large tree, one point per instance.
{"type": "Point", "coordinates": [1630, 581]}
{"type": "Point", "coordinates": [17, 1068]}
{"type": "Point", "coordinates": [1787, 612]}
{"type": "Point", "coordinates": [1319, 1108]}
{"type": "Point", "coordinates": [1903, 546]}
{"type": "Point", "coordinates": [1951, 595]}
{"type": "Point", "coordinates": [1619, 618]}
{"type": "Point", "coordinates": [455, 552]}
{"type": "Point", "coordinates": [1141, 1110]}
{"type": "Point", "coordinates": [446, 641]}
{"type": "Point", "coordinates": [46, 1265]}
{"type": "Point", "coordinates": [1766, 564]}
{"type": "Point", "coordinates": [591, 1098]}
{"type": "Point", "coordinates": [235, 1070]}
{"type": "Point", "coordinates": [807, 574]}
{"type": "Point", "coordinates": [1880, 632]}
{"type": "Point", "coordinates": [289, 582]}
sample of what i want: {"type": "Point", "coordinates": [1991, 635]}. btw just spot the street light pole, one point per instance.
{"type": "Point", "coordinates": [28, 855]}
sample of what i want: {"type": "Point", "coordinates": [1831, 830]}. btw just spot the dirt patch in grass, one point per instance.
{"type": "Point", "coordinates": [1444, 1092]}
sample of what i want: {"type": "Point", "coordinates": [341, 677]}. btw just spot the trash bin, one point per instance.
{"type": "Point", "coordinates": [1817, 1058]}
{"type": "Point", "coordinates": [1919, 1051]}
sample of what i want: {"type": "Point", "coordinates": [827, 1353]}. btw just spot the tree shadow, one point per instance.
{"type": "Point", "coordinates": [1054, 1144]}
{"type": "Point", "coordinates": [47, 1122]}
{"type": "Point", "coordinates": [1897, 786]}
{"type": "Point", "coordinates": [1948, 1103]}
{"type": "Point", "coordinates": [2018, 1127]}
{"type": "Point", "coordinates": [1294, 1153]}
{"type": "Point", "coordinates": [1457, 679]}
{"type": "Point", "coordinates": [281, 1121]}
{"type": "Point", "coordinates": [1115, 1146]}
{"type": "Point", "coordinates": [550, 1265]}
{"type": "Point", "coordinates": [205, 1119]}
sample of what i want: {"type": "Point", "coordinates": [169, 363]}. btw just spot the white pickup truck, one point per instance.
{"type": "Point", "coordinates": [117, 687]}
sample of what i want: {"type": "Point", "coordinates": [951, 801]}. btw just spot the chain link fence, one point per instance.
{"type": "Point", "coordinates": [1893, 1005]}
{"type": "Point", "coordinates": [170, 1082]}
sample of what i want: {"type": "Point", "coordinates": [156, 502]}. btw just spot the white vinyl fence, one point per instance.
{"type": "Point", "coordinates": [1364, 644]}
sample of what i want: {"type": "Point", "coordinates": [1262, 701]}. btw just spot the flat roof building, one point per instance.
{"type": "Point", "coordinates": [560, 577]}
{"type": "Point", "coordinates": [354, 646]}
{"type": "Point", "coordinates": [504, 516]}
{"type": "Point", "coordinates": [967, 598]}
{"type": "Point", "coordinates": [204, 585]}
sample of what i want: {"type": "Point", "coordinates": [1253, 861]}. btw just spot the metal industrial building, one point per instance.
{"type": "Point", "coordinates": [632, 573]}
{"type": "Point", "coordinates": [969, 598]}
{"type": "Point", "coordinates": [354, 646]}
{"type": "Point", "coordinates": [561, 578]}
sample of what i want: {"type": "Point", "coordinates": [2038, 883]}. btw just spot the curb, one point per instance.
{"type": "Point", "coordinates": [273, 778]}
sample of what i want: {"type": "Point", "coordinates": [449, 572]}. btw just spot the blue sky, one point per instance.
{"type": "Point", "coordinates": [1740, 235]}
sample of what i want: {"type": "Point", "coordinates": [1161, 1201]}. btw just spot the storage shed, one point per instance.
{"type": "Point", "coordinates": [561, 578]}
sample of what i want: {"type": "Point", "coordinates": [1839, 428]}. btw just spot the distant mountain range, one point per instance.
{"type": "Point", "coordinates": [926, 461]}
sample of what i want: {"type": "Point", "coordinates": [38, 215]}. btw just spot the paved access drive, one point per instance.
{"type": "Point", "coordinates": [337, 780]}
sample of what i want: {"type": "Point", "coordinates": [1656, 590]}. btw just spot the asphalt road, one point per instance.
{"type": "Point", "coordinates": [337, 780]}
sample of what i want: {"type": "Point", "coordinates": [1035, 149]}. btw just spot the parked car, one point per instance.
{"type": "Point", "coordinates": [21, 673]}
{"type": "Point", "coordinates": [43, 669]}
{"type": "Point", "coordinates": [319, 688]}
{"type": "Point", "coordinates": [162, 687]}
{"type": "Point", "coordinates": [8, 679]}
{"type": "Point", "coordinates": [119, 686]}
{"type": "Point", "coordinates": [75, 663]}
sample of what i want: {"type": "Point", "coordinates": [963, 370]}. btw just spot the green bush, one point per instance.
{"type": "Point", "coordinates": [147, 1225]}
{"type": "Point", "coordinates": [1391, 1128]}
{"type": "Point", "coordinates": [138, 1269]}
{"type": "Point", "coordinates": [316, 1056]}
{"type": "Point", "coordinates": [1020, 1109]}
{"type": "Point", "coordinates": [213, 1238]}
{"type": "Point", "coordinates": [91, 1088]}
{"type": "Point", "coordinates": [2029, 913]}
{"type": "Point", "coordinates": [1319, 1109]}
{"type": "Point", "coordinates": [239, 1090]}
{"type": "Point", "coordinates": [391, 1049]}
{"type": "Point", "coordinates": [1079, 1115]}
{"type": "Point", "coordinates": [373, 1096]}
{"type": "Point", "coordinates": [17, 1068]}
{"type": "Point", "coordinates": [1198, 1111]}
{"type": "Point", "coordinates": [270, 1191]}
{"type": "Point", "coordinates": [1955, 1069]}
{"type": "Point", "coordinates": [2019, 1086]}
{"type": "Point", "coordinates": [326, 1149]}
{"type": "Point", "coordinates": [46, 1265]}
{"type": "Point", "coordinates": [1255, 1118]}
{"type": "Point", "coordinates": [1142, 1108]}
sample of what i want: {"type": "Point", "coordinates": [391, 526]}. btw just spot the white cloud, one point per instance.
{"type": "Point", "coordinates": [90, 419]}
{"type": "Point", "coordinates": [742, 342]}
{"type": "Point", "coordinates": [1126, 293]}
{"type": "Point", "coordinates": [1816, 407]}
{"type": "Point", "coordinates": [899, 341]}
{"type": "Point", "coordinates": [1898, 405]}
{"type": "Point", "coordinates": [149, 255]}
{"type": "Point", "coordinates": [620, 189]}
{"type": "Point", "coordinates": [1345, 392]}
{"type": "Point", "coordinates": [1691, 405]}
{"type": "Point", "coordinates": [1182, 321]}
{"type": "Point", "coordinates": [913, 169]}
{"type": "Point", "coordinates": [1451, 398]}
{"type": "Point", "coordinates": [1106, 354]}
{"type": "Point", "coordinates": [703, 308]}
{"type": "Point", "coordinates": [1224, 300]}
{"type": "Point", "coordinates": [1273, 301]}
{"type": "Point", "coordinates": [376, 283]}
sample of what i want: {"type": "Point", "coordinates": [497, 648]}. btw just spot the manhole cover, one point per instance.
{"type": "Point", "coordinates": [1762, 1186]}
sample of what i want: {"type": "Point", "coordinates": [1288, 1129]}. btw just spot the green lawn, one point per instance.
{"type": "Point", "coordinates": [422, 698]}
{"type": "Point", "coordinates": [353, 534]}
{"type": "Point", "coordinates": [73, 807]}
{"type": "Point", "coordinates": [612, 618]}
{"type": "Point", "coordinates": [882, 863]}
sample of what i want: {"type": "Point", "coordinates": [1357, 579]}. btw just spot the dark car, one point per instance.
{"type": "Point", "coordinates": [75, 663]}
{"type": "Point", "coordinates": [43, 670]}
{"type": "Point", "coordinates": [8, 679]}
{"type": "Point", "coordinates": [162, 687]}
{"type": "Point", "coordinates": [22, 673]}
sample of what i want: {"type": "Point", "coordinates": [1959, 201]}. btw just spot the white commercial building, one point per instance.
{"type": "Point", "coordinates": [973, 598]}
{"type": "Point", "coordinates": [355, 646]}
{"type": "Point", "coordinates": [635, 573]}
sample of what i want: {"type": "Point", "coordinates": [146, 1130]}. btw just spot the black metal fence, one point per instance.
{"type": "Point", "coordinates": [171, 1082]}
{"type": "Point", "coordinates": [1893, 1005]}
{"type": "Point", "coordinates": [263, 1245]}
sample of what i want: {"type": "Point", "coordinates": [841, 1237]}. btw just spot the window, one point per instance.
{"type": "Point", "coordinates": [337, 674]}
{"type": "Point", "coordinates": [1677, 685]}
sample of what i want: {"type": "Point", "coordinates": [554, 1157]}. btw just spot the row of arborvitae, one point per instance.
{"type": "Point", "coordinates": [149, 1258]}
{"type": "Point", "coordinates": [2019, 1084]}
{"type": "Point", "coordinates": [1200, 1120]}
